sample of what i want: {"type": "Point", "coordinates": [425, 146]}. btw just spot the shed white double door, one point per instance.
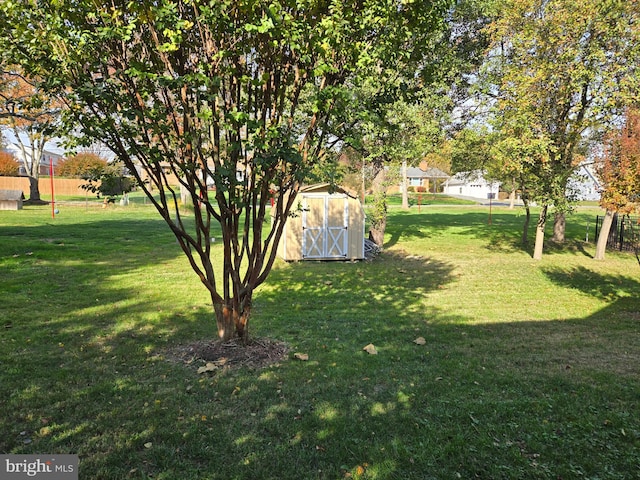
{"type": "Point", "coordinates": [324, 226]}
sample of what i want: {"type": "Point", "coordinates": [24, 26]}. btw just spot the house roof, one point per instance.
{"type": "Point", "coordinates": [15, 195]}
{"type": "Point", "coordinates": [414, 172]}
{"type": "Point", "coordinates": [466, 177]}
{"type": "Point", "coordinates": [456, 181]}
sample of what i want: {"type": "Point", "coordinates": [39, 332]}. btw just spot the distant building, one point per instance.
{"type": "Point", "coordinates": [583, 184]}
{"type": "Point", "coordinates": [48, 157]}
{"type": "Point", "coordinates": [52, 153]}
{"type": "Point", "coordinates": [430, 179]}
{"type": "Point", "coordinates": [471, 184]}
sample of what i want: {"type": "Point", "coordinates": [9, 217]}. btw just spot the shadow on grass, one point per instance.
{"type": "Point", "coordinates": [503, 234]}
{"type": "Point", "coordinates": [77, 319]}
{"type": "Point", "coordinates": [337, 300]}
{"type": "Point", "coordinates": [607, 287]}
{"type": "Point", "coordinates": [506, 400]}
{"type": "Point", "coordinates": [501, 231]}
{"type": "Point", "coordinates": [407, 224]}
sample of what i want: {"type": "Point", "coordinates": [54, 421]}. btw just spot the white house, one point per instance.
{"type": "Point", "coordinates": [51, 155]}
{"type": "Point", "coordinates": [471, 184]}
{"type": "Point", "coordinates": [584, 184]}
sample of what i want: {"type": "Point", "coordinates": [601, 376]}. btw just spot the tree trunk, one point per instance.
{"type": "Point", "coordinates": [405, 187]}
{"type": "Point", "coordinates": [603, 235]}
{"type": "Point", "coordinates": [527, 222]}
{"type": "Point", "coordinates": [232, 323]}
{"type": "Point", "coordinates": [512, 200]}
{"type": "Point", "coordinates": [559, 226]}
{"type": "Point", "coordinates": [376, 234]}
{"type": "Point", "coordinates": [34, 190]}
{"type": "Point", "coordinates": [542, 220]}
{"type": "Point", "coordinates": [379, 209]}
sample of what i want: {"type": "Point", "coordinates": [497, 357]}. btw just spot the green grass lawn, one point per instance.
{"type": "Point", "coordinates": [530, 370]}
{"type": "Point", "coordinates": [422, 199]}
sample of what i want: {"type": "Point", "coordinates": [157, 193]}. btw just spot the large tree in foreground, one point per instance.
{"type": "Point", "coordinates": [228, 93]}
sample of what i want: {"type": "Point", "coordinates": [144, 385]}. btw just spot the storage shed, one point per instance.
{"type": "Point", "coordinates": [327, 224]}
{"type": "Point", "coordinates": [11, 199]}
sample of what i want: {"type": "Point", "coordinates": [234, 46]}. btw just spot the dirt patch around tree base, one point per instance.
{"type": "Point", "coordinates": [211, 355]}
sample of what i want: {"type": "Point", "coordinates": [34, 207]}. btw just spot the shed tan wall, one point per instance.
{"type": "Point", "coordinates": [355, 233]}
{"type": "Point", "coordinates": [290, 247]}
{"type": "Point", "coordinates": [62, 186]}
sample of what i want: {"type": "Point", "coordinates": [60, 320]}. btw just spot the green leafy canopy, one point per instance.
{"type": "Point", "coordinates": [229, 94]}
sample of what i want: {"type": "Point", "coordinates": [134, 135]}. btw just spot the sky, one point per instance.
{"type": "Point", "coordinates": [53, 146]}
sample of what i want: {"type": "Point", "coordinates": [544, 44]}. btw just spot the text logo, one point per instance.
{"type": "Point", "coordinates": [39, 467]}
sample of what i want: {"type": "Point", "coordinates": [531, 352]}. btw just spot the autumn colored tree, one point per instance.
{"type": "Point", "coordinates": [560, 69]}
{"type": "Point", "coordinates": [31, 115]}
{"type": "Point", "coordinates": [619, 172]}
{"type": "Point", "coordinates": [82, 165]}
{"type": "Point", "coordinates": [9, 167]}
{"type": "Point", "coordinates": [232, 93]}
{"type": "Point", "coordinates": [102, 178]}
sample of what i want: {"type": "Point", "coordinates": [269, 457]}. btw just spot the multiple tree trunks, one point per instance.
{"type": "Point", "coordinates": [232, 323]}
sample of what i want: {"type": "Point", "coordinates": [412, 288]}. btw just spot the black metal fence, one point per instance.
{"type": "Point", "coordinates": [624, 233]}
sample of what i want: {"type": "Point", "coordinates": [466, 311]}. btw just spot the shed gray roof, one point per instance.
{"type": "Point", "coordinates": [11, 195]}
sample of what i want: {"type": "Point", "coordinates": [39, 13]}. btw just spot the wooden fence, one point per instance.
{"type": "Point", "coordinates": [61, 186]}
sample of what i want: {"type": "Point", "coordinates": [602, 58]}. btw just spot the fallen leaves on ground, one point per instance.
{"type": "Point", "coordinates": [209, 367]}
{"type": "Point", "coordinates": [370, 349]}
{"type": "Point", "coordinates": [258, 353]}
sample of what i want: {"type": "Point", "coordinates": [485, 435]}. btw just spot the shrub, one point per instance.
{"type": "Point", "coordinates": [109, 182]}
{"type": "Point", "coordinates": [9, 166]}
{"type": "Point", "coordinates": [82, 165]}
{"type": "Point", "coordinates": [421, 189]}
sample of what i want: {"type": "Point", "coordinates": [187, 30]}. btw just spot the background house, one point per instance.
{"type": "Point", "coordinates": [52, 153]}
{"type": "Point", "coordinates": [584, 184]}
{"type": "Point", "coordinates": [48, 157]}
{"type": "Point", "coordinates": [430, 179]}
{"type": "Point", "coordinates": [471, 184]}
